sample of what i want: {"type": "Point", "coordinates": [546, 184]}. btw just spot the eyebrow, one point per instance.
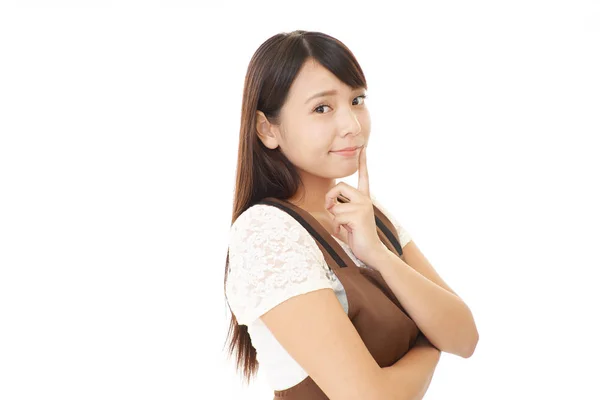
{"type": "Point", "coordinates": [321, 94]}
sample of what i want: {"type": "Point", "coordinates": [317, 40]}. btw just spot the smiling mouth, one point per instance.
{"type": "Point", "coordinates": [346, 150]}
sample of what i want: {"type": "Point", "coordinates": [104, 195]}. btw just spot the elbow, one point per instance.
{"type": "Point", "coordinates": [470, 338]}
{"type": "Point", "coordinates": [467, 354]}
{"type": "Point", "coordinates": [469, 350]}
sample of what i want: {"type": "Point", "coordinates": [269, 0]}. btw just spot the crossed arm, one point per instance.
{"type": "Point", "coordinates": [438, 311]}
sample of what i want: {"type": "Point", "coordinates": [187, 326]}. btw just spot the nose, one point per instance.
{"type": "Point", "coordinates": [350, 124]}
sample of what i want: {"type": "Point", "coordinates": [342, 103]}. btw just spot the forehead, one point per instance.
{"type": "Point", "coordinates": [313, 78]}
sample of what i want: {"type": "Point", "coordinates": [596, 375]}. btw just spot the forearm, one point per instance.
{"type": "Point", "coordinates": [409, 377]}
{"type": "Point", "coordinates": [442, 316]}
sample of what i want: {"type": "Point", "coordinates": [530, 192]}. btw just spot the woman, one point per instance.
{"type": "Point", "coordinates": [303, 104]}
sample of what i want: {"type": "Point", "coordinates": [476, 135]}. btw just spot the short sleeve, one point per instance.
{"type": "Point", "coordinates": [402, 233]}
{"type": "Point", "coordinates": [272, 258]}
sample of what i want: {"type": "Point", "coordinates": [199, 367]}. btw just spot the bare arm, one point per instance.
{"type": "Point", "coordinates": [413, 372]}
{"type": "Point", "coordinates": [439, 313]}
{"type": "Point", "coordinates": [315, 330]}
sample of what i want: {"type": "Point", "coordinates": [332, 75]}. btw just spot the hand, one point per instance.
{"type": "Point", "coordinates": [357, 215]}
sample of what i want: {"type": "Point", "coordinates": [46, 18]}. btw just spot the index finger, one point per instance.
{"type": "Point", "coordinates": [363, 174]}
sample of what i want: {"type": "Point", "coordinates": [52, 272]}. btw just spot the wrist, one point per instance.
{"type": "Point", "coordinates": [380, 257]}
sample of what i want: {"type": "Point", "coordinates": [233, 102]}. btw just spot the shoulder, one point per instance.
{"type": "Point", "coordinates": [258, 214]}
{"type": "Point", "coordinates": [265, 221]}
{"type": "Point", "coordinates": [265, 230]}
{"type": "Point", "coordinates": [272, 257]}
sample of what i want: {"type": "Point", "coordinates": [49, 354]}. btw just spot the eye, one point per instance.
{"type": "Point", "coordinates": [363, 96]}
{"type": "Point", "coordinates": [319, 107]}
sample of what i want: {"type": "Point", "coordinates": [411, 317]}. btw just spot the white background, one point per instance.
{"type": "Point", "coordinates": [119, 130]}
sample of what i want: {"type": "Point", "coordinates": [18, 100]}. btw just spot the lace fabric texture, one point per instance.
{"type": "Point", "coordinates": [273, 258]}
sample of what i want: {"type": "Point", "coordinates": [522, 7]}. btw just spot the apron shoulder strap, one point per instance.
{"type": "Point", "coordinates": [326, 243]}
{"type": "Point", "coordinates": [385, 229]}
{"type": "Point", "coordinates": [387, 232]}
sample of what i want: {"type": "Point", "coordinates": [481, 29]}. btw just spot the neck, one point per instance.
{"type": "Point", "coordinates": [311, 195]}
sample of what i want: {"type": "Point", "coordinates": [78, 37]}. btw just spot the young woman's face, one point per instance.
{"type": "Point", "coordinates": [312, 127]}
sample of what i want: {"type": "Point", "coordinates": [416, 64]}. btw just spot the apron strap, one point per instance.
{"type": "Point", "coordinates": [328, 245]}
{"type": "Point", "coordinates": [385, 230]}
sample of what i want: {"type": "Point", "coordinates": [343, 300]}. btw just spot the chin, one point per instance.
{"type": "Point", "coordinates": [344, 172]}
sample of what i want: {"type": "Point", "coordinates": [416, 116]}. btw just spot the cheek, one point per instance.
{"type": "Point", "coordinates": [314, 141]}
{"type": "Point", "coordinates": [308, 150]}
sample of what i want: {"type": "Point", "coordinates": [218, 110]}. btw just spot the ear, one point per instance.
{"type": "Point", "coordinates": [266, 131]}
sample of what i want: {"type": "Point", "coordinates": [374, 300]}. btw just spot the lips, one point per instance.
{"type": "Point", "coordinates": [347, 149]}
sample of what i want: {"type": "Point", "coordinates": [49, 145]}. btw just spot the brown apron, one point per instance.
{"type": "Point", "coordinates": [381, 321]}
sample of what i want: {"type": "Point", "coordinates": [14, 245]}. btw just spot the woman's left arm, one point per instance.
{"type": "Point", "coordinates": [438, 311]}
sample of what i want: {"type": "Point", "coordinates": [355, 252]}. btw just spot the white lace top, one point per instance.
{"type": "Point", "coordinates": [272, 258]}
